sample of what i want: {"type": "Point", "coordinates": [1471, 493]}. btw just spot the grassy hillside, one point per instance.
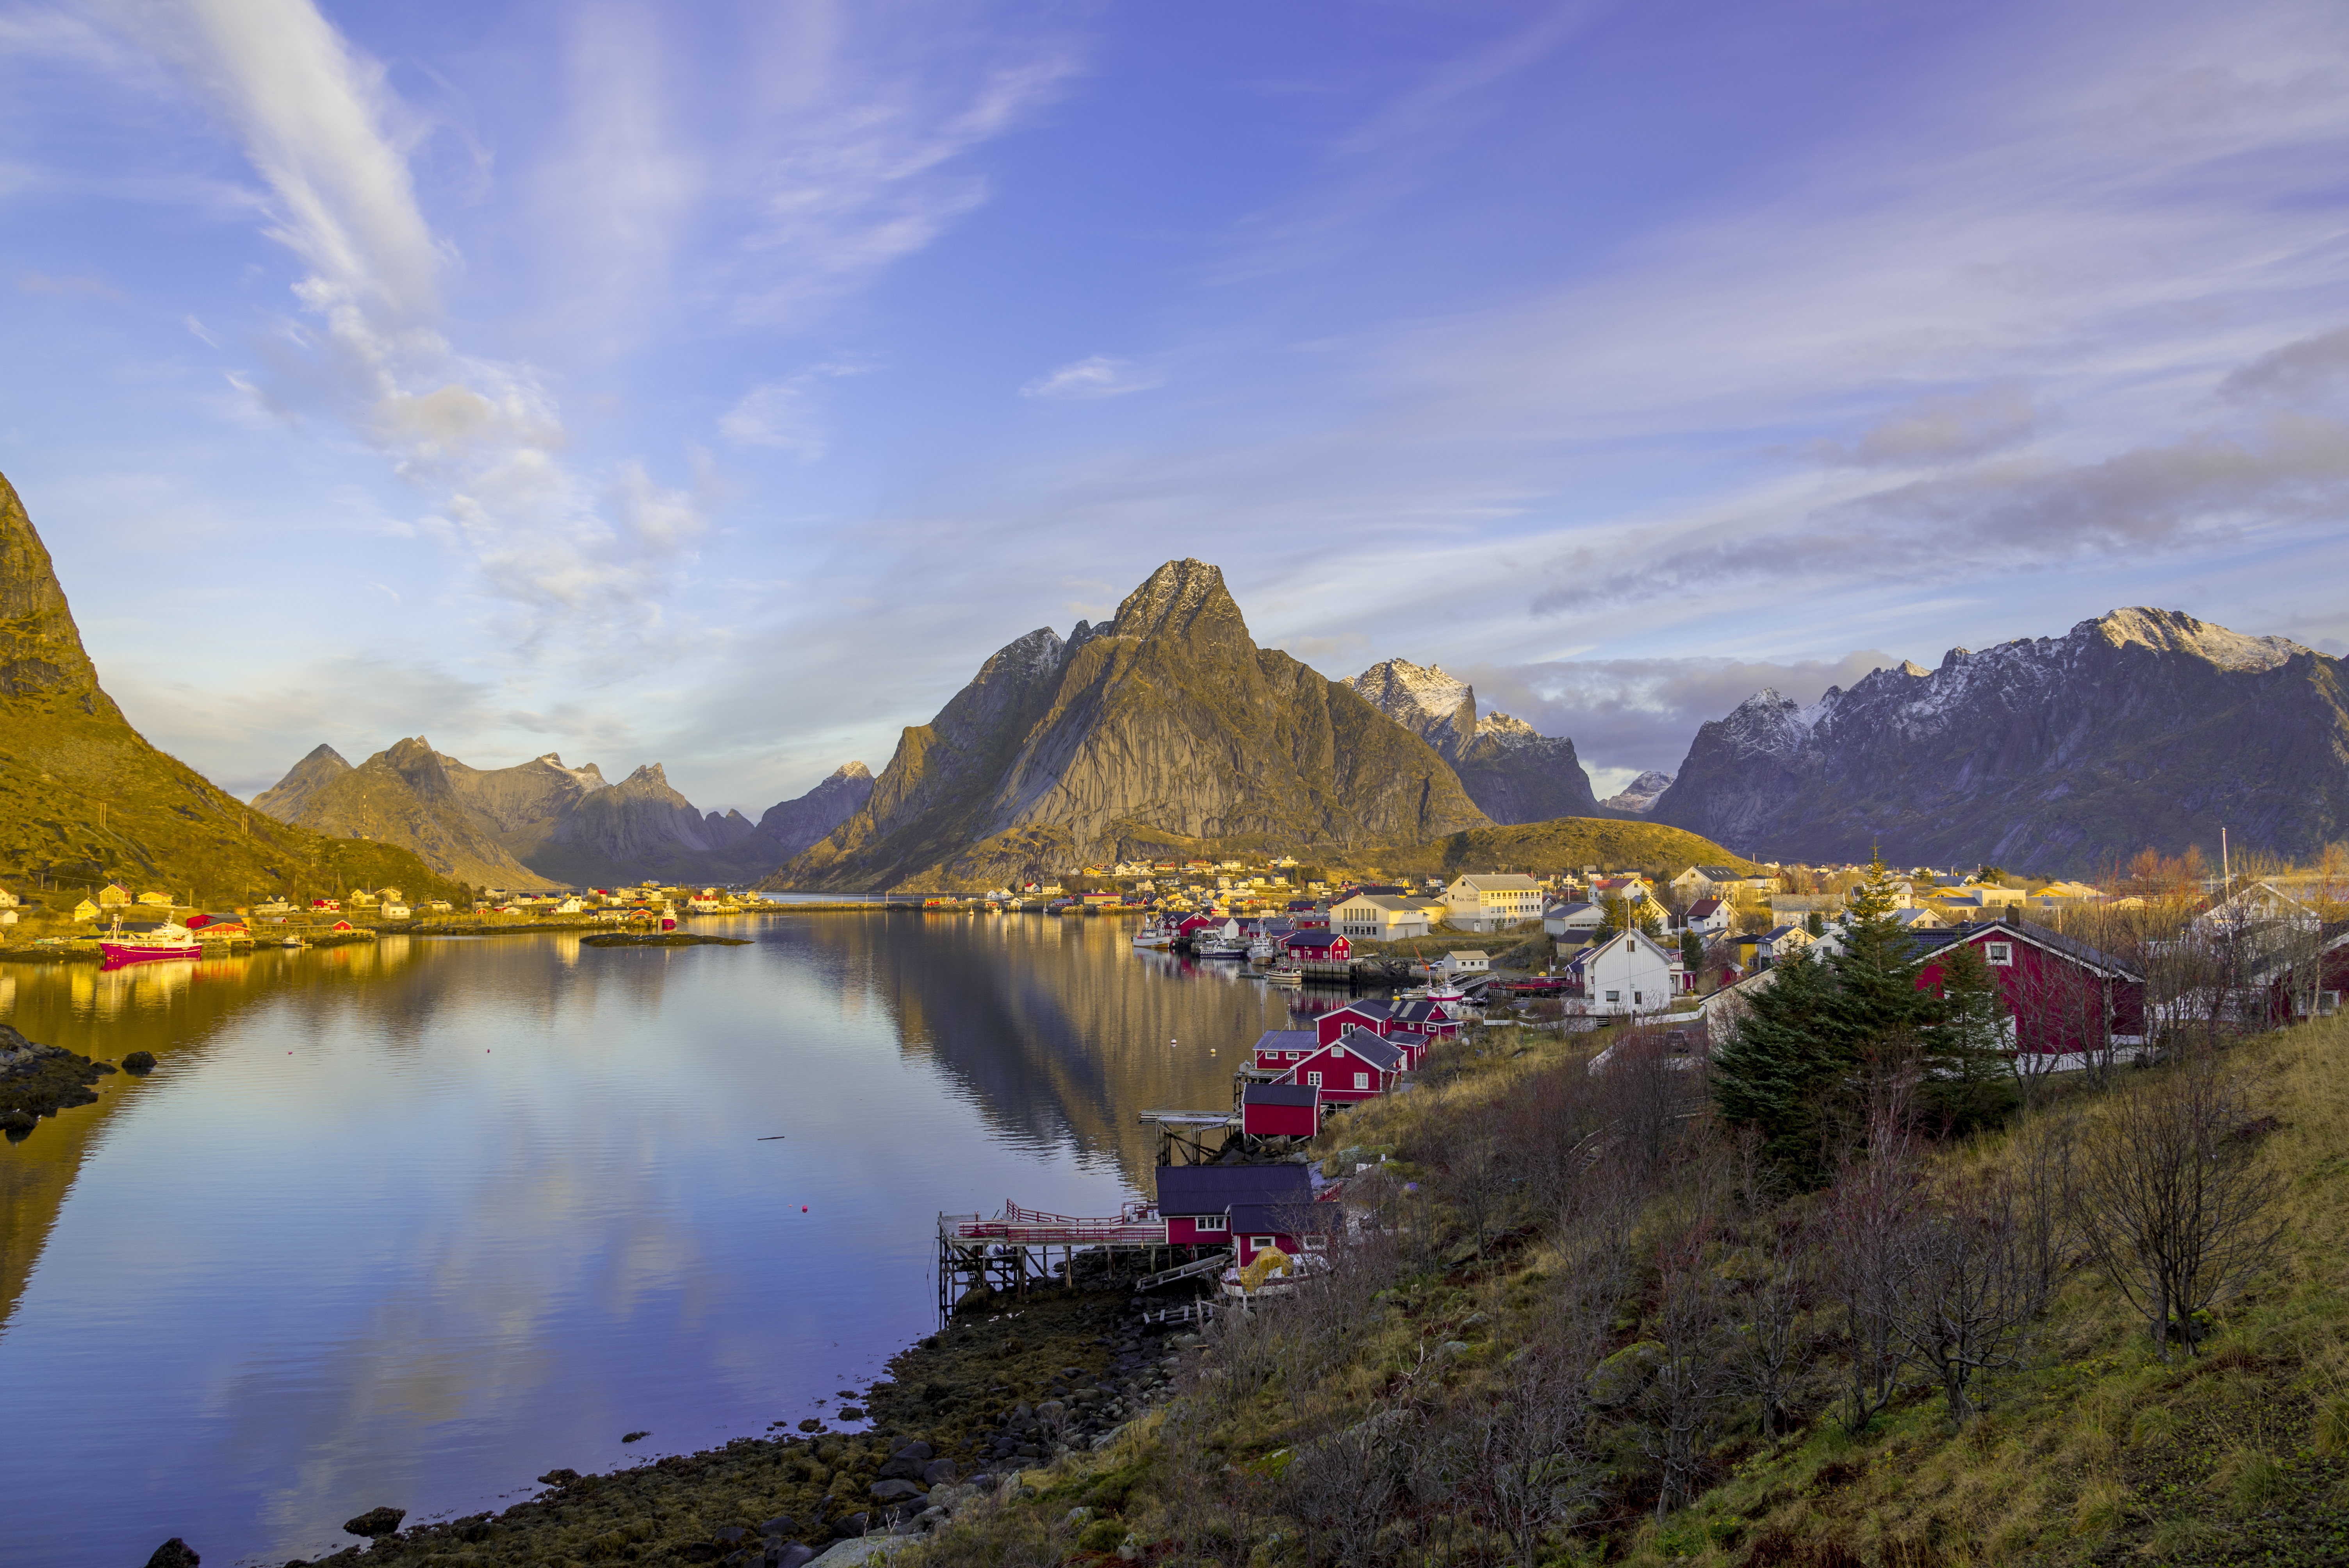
{"type": "Point", "coordinates": [1565, 844]}
{"type": "Point", "coordinates": [1540, 1356]}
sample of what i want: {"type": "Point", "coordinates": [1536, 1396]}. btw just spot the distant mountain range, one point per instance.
{"type": "Point", "coordinates": [2142, 728]}
{"type": "Point", "coordinates": [85, 799]}
{"type": "Point", "coordinates": [1164, 727]}
{"type": "Point", "coordinates": [1512, 773]}
{"type": "Point", "coordinates": [1640, 796]}
{"type": "Point", "coordinates": [539, 824]}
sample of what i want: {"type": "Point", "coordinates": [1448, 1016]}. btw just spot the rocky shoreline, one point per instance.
{"type": "Point", "coordinates": [38, 1080]}
{"type": "Point", "coordinates": [1010, 1385]}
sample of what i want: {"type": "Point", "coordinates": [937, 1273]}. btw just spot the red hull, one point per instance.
{"type": "Point", "coordinates": [119, 953]}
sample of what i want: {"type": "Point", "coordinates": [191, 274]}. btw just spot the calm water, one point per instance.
{"type": "Point", "coordinates": [412, 1223]}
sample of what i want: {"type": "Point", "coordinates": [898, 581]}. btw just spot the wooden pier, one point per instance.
{"type": "Point", "coordinates": [1003, 1252]}
{"type": "Point", "coordinates": [1192, 1137]}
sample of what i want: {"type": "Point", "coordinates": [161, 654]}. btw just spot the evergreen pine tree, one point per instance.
{"type": "Point", "coordinates": [1967, 1083]}
{"type": "Point", "coordinates": [1692, 951]}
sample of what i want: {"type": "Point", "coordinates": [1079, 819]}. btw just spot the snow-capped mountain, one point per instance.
{"type": "Point", "coordinates": [1639, 796]}
{"type": "Point", "coordinates": [1513, 772]}
{"type": "Point", "coordinates": [2143, 726]}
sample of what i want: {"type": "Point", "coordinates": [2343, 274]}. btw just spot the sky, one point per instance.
{"type": "Point", "coordinates": [718, 385]}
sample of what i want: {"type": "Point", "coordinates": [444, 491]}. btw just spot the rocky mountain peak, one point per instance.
{"type": "Point", "coordinates": [2176, 632]}
{"type": "Point", "coordinates": [849, 770]}
{"type": "Point", "coordinates": [1181, 600]}
{"type": "Point", "coordinates": [1434, 705]}
{"type": "Point", "coordinates": [40, 646]}
{"type": "Point", "coordinates": [1506, 731]}
{"type": "Point", "coordinates": [1639, 796]}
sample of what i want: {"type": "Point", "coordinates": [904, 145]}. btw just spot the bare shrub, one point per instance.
{"type": "Point", "coordinates": [1523, 1438]}
{"type": "Point", "coordinates": [1681, 1405]}
{"type": "Point", "coordinates": [1966, 1287]}
{"type": "Point", "coordinates": [2172, 1208]}
{"type": "Point", "coordinates": [1864, 1235]}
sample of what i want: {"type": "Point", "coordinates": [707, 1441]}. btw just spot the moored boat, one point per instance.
{"type": "Point", "coordinates": [169, 940]}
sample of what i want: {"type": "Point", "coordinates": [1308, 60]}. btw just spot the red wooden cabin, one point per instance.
{"type": "Point", "coordinates": [1280, 1110]}
{"type": "Point", "coordinates": [1251, 1207]}
{"type": "Point", "coordinates": [1377, 1018]}
{"type": "Point", "coordinates": [1421, 1015]}
{"type": "Point", "coordinates": [1318, 946]}
{"type": "Point", "coordinates": [1356, 1065]}
{"type": "Point", "coordinates": [2061, 994]}
{"type": "Point", "coordinates": [1280, 1049]}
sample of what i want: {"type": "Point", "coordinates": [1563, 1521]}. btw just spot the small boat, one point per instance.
{"type": "Point", "coordinates": [1154, 934]}
{"type": "Point", "coordinates": [169, 940]}
{"type": "Point", "coordinates": [1284, 974]}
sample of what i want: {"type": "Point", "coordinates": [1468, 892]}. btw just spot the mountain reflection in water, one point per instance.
{"type": "Point", "coordinates": [412, 1221]}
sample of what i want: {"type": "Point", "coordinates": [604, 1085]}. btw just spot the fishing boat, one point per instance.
{"type": "Point", "coordinates": [169, 940]}
{"type": "Point", "coordinates": [1284, 974]}
{"type": "Point", "coordinates": [1225, 941]}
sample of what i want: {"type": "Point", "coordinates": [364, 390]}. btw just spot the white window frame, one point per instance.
{"type": "Point", "coordinates": [1313, 1080]}
{"type": "Point", "coordinates": [1213, 1221]}
{"type": "Point", "coordinates": [1362, 1081]}
{"type": "Point", "coordinates": [1258, 1244]}
{"type": "Point", "coordinates": [1614, 995]}
{"type": "Point", "coordinates": [1999, 954]}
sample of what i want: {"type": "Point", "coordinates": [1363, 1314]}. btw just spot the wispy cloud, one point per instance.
{"type": "Point", "coordinates": [788, 415]}
{"type": "Point", "coordinates": [1098, 376]}
{"type": "Point", "coordinates": [1941, 428]}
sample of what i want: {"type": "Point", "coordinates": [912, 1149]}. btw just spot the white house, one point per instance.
{"type": "Point", "coordinates": [1707, 881]}
{"type": "Point", "coordinates": [1782, 941]}
{"type": "Point", "coordinates": [570, 907]}
{"type": "Point", "coordinates": [1573, 922]}
{"type": "Point", "coordinates": [702, 903]}
{"type": "Point", "coordinates": [1493, 901]}
{"type": "Point", "coordinates": [1378, 917]}
{"type": "Point", "coordinates": [1628, 973]}
{"type": "Point", "coordinates": [1469, 961]}
{"type": "Point", "coordinates": [1707, 917]}
{"type": "Point", "coordinates": [395, 912]}
{"type": "Point", "coordinates": [2256, 907]}
{"type": "Point", "coordinates": [7, 899]}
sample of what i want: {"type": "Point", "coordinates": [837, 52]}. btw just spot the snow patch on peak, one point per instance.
{"type": "Point", "coordinates": [1642, 794]}
{"type": "Point", "coordinates": [852, 771]}
{"type": "Point", "coordinates": [1427, 688]}
{"type": "Point", "coordinates": [2176, 632]}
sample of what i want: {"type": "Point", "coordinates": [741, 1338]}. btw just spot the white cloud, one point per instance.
{"type": "Point", "coordinates": [1098, 376]}
{"type": "Point", "coordinates": [787, 415]}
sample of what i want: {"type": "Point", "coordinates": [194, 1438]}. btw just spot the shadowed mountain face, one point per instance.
{"type": "Point", "coordinates": [286, 798]}
{"type": "Point", "coordinates": [85, 799]}
{"type": "Point", "coordinates": [1166, 720]}
{"type": "Point", "coordinates": [2059, 754]}
{"type": "Point", "coordinates": [796, 824]}
{"type": "Point", "coordinates": [404, 796]}
{"type": "Point", "coordinates": [1512, 773]}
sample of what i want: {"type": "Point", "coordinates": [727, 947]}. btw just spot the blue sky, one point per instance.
{"type": "Point", "coordinates": [719, 383]}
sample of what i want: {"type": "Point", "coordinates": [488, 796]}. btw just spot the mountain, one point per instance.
{"type": "Point", "coordinates": [2059, 754]}
{"type": "Point", "coordinates": [85, 799]}
{"type": "Point", "coordinates": [797, 824]}
{"type": "Point", "coordinates": [1512, 772]}
{"type": "Point", "coordinates": [536, 824]}
{"type": "Point", "coordinates": [286, 798]}
{"type": "Point", "coordinates": [1165, 723]}
{"type": "Point", "coordinates": [1639, 796]}
{"type": "Point", "coordinates": [403, 795]}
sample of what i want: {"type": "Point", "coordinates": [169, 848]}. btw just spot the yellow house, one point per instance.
{"type": "Point", "coordinates": [84, 909]}
{"type": "Point", "coordinates": [111, 894]}
{"type": "Point", "coordinates": [156, 900]}
{"type": "Point", "coordinates": [361, 898]}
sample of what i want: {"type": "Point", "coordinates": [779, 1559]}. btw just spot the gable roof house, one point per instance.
{"type": "Point", "coordinates": [1629, 974]}
{"type": "Point", "coordinates": [1706, 915]}
{"type": "Point", "coordinates": [2060, 995]}
{"type": "Point", "coordinates": [1251, 1207]}
{"type": "Point", "coordinates": [1492, 900]}
{"type": "Point", "coordinates": [1576, 922]}
{"type": "Point", "coordinates": [1356, 1065]}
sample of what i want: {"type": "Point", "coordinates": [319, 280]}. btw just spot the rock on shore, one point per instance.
{"type": "Point", "coordinates": [38, 1080]}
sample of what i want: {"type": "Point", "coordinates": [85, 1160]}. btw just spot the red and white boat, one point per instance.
{"type": "Point", "coordinates": [169, 940]}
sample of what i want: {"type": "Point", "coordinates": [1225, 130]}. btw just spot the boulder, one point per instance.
{"type": "Point", "coordinates": [1050, 1410]}
{"type": "Point", "coordinates": [790, 1555]}
{"type": "Point", "coordinates": [887, 1491]}
{"type": "Point", "coordinates": [917, 1450]}
{"type": "Point", "coordinates": [140, 1063]}
{"type": "Point", "coordinates": [1617, 1379]}
{"type": "Point", "coordinates": [937, 1472]}
{"type": "Point", "coordinates": [174, 1553]}
{"type": "Point", "coordinates": [377, 1521]}
{"type": "Point", "coordinates": [848, 1526]}
{"type": "Point", "coordinates": [782, 1525]}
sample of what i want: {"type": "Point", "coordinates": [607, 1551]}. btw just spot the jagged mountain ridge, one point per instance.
{"type": "Point", "coordinates": [796, 825]}
{"type": "Point", "coordinates": [1166, 722]}
{"type": "Point", "coordinates": [2140, 728]}
{"type": "Point", "coordinates": [86, 800]}
{"type": "Point", "coordinates": [1639, 796]}
{"type": "Point", "coordinates": [1513, 772]}
{"type": "Point", "coordinates": [542, 823]}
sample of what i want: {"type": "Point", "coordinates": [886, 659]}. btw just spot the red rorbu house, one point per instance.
{"type": "Point", "coordinates": [1356, 1065]}
{"type": "Point", "coordinates": [1425, 1018]}
{"type": "Point", "coordinates": [2061, 994]}
{"type": "Point", "coordinates": [1251, 1207]}
{"type": "Point", "coordinates": [1413, 1045]}
{"type": "Point", "coordinates": [1318, 946]}
{"type": "Point", "coordinates": [1277, 1050]}
{"type": "Point", "coordinates": [1378, 1017]}
{"type": "Point", "coordinates": [1280, 1110]}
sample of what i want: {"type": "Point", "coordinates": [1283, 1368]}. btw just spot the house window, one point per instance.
{"type": "Point", "coordinates": [1614, 995]}
{"type": "Point", "coordinates": [1637, 998]}
{"type": "Point", "coordinates": [1313, 1080]}
{"type": "Point", "coordinates": [1258, 1244]}
{"type": "Point", "coordinates": [1362, 1081]}
{"type": "Point", "coordinates": [1999, 952]}
{"type": "Point", "coordinates": [1215, 1222]}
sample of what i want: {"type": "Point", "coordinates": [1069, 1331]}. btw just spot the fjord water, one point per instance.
{"type": "Point", "coordinates": [415, 1222]}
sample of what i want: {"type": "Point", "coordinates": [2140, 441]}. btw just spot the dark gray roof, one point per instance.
{"type": "Point", "coordinates": [1925, 944]}
{"type": "Point", "coordinates": [1285, 1219]}
{"type": "Point", "coordinates": [1287, 1040]}
{"type": "Point", "coordinates": [1219, 1189]}
{"type": "Point", "coordinates": [1371, 1048]}
{"type": "Point", "coordinates": [1370, 1009]}
{"type": "Point", "coordinates": [1280, 1093]}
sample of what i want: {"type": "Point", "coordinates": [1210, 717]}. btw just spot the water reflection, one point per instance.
{"type": "Point", "coordinates": [411, 1222]}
